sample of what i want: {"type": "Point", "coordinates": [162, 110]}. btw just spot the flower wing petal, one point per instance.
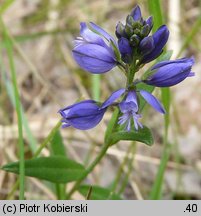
{"type": "Point", "coordinates": [102, 32]}
{"type": "Point", "coordinates": [94, 58]}
{"type": "Point", "coordinates": [114, 96]}
{"type": "Point", "coordinates": [153, 101]}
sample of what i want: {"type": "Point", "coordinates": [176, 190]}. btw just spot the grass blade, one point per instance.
{"type": "Point", "coordinates": [155, 10]}
{"type": "Point", "coordinates": [5, 5]}
{"type": "Point", "coordinates": [31, 139]}
{"type": "Point", "coordinates": [9, 50]}
{"type": "Point", "coordinates": [195, 29]}
{"type": "Point", "coordinates": [96, 86]}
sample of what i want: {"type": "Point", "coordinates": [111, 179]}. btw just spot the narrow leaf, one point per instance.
{"type": "Point", "coordinates": [56, 169]}
{"type": "Point", "coordinates": [156, 12]}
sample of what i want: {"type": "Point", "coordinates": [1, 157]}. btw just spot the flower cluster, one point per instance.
{"type": "Point", "coordinates": [98, 52]}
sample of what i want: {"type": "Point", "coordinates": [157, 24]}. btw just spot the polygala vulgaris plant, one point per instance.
{"type": "Point", "coordinates": [98, 52]}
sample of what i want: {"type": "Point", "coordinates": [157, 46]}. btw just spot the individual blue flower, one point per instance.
{"type": "Point", "coordinates": [83, 115]}
{"type": "Point", "coordinates": [154, 48]}
{"type": "Point", "coordinates": [91, 52]}
{"type": "Point", "coordinates": [87, 114]}
{"type": "Point", "coordinates": [129, 108]}
{"type": "Point", "coordinates": [169, 73]}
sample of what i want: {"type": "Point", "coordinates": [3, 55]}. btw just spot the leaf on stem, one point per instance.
{"type": "Point", "coordinates": [56, 169]}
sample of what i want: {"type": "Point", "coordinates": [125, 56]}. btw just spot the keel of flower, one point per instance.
{"type": "Point", "coordinates": [83, 115]}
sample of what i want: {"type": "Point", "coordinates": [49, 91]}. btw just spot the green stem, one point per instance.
{"type": "Point", "coordinates": [47, 140]}
{"type": "Point", "coordinates": [90, 168]}
{"type": "Point", "coordinates": [18, 110]}
{"type": "Point", "coordinates": [131, 73]}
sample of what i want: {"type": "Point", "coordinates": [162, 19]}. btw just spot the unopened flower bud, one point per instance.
{"type": "Point", "coordinates": [134, 40]}
{"type": "Point", "coordinates": [119, 30]}
{"type": "Point", "coordinates": [145, 30]}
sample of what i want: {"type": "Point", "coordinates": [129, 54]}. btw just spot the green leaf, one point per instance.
{"type": "Point", "coordinates": [143, 135]}
{"type": "Point", "coordinates": [56, 169]}
{"type": "Point", "coordinates": [57, 145]}
{"type": "Point", "coordinates": [165, 56]}
{"type": "Point", "coordinates": [97, 193]}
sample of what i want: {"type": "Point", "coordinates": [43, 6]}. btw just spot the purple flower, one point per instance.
{"type": "Point", "coordinates": [160, 38]}
{"type": "Point", "coordinates": [88, 113]}
{"type": "Point", "coordinates": [169, 73]}
{"type": "Point", "coordinates": [129, 108]}
{"type": "Point", "coordinates": [91, 52]}
{"type": "Point", "coordinates": [146, 45]}
{"type": "Point", "coordinates": [83, 115]}
{"type": "Point", "coordinates": [136, 13]}
{"type": "Point", "coordinates": [153, 101]}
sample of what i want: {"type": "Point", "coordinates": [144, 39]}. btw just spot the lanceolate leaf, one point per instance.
{"type": "Point", "coordinates": [56, 169]}
{"type": "Point", "coordinates": [98, 193]}
{"type": "Point", "coordinates": [143, 135]}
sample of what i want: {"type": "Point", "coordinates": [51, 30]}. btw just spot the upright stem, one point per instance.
{"type": "Point", "coordinates": [89, 169]}
{"type": "Point", "coordinates": [131, 73]}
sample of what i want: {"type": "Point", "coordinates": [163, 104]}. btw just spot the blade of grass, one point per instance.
{"type": "Point", "coordinates": [33, 36]}
{"type": "Point", "coordinates": [9, 49]}
{"type": "Point", "coordinates": [155, 10]}
{"type": "Point", "coordinates": [5, 5]}
{"type": "Point", "coordinates": [96, 86]}
{"type": "Point", "coordinates": [156, 191]}
{"type": "Point", "coordinates": [37, 153]}
{"type": "Point", "coordinates": [120, 171]}
{"type": "Point", "coordinates": [31, 139]}
{"type": "Point", "coordinates": [129, 167]}
{"type": "Point", "coordinates": [195, 29]}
